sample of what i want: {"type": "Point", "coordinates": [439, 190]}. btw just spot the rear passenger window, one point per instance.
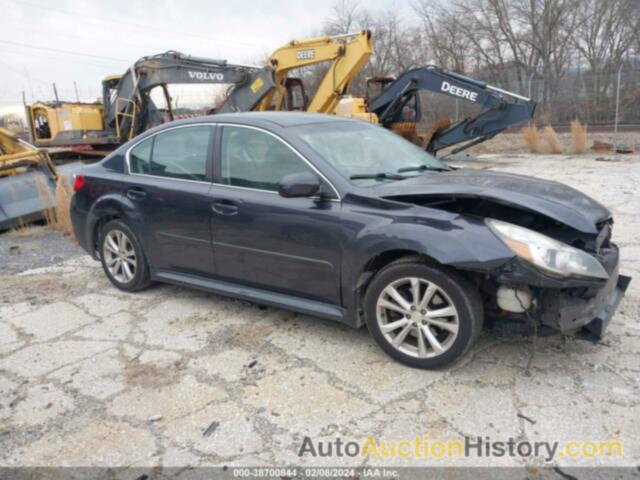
{"type": "Point", "coordinates": [140, 156]}
{"type": "Point", "coordinates": [180, 153]}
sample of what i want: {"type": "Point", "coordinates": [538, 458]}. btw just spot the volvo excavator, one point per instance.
{"type": "Point", "coordinates": [27, 174]}
{"type": "Point", "coordinates": [127, 107]}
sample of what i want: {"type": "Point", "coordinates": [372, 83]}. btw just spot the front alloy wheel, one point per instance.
{"type": "Point", "coordinates": [417, 317]}
{"type": "Point", "coordinates": [423, 315]}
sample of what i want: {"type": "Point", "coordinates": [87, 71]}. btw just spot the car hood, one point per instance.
{"type": "Point", "coordinates": [552, 199]}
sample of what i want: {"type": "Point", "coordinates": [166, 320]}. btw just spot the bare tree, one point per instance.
{"type": "Point", "coordinates": [346, 16]}
{"type": "Point", "coordinates": [500, 52]}
{"type": "Point", "coordinates": [570, 48]}
{"type": "Point", "coordinates": [604, 36]}
{"type": "Point", "coordinates": [449, 46]}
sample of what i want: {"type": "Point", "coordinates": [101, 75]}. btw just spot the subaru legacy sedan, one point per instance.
{"type": "Point", "coordinates": [344, 220]}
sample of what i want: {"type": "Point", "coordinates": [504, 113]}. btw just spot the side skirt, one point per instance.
{"type": "Point", "coordinates": [262, 297]}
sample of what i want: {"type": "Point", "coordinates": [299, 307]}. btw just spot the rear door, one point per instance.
{"type": "Point", "coordinates": [169, 184]}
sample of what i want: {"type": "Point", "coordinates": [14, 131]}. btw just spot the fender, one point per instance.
{"type": "Point", "coordinates": [113, 204]}
{"type": "Point", "coordinates": [449, 239]}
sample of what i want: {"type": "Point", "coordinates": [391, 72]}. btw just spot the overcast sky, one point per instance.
{"type": "Point", "coordinates": [63, 41]}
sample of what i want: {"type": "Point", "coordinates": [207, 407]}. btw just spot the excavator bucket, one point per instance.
{"type": "Point", "coordinates": [27, 181]}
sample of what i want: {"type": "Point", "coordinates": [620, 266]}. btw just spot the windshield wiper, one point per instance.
{"type": "Point", "coordinates": [422, 168]}
{"type": "Point", "coordinates": [377, 176]}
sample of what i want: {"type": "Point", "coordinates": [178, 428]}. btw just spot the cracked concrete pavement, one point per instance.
{"type": "Point", "coordinates": [90, 375]}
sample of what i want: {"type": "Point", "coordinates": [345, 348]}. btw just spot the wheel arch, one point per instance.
{"type": "Point", "coordinates": [377, 262]}
{"type": "Point", "coordinates": [105, 209]}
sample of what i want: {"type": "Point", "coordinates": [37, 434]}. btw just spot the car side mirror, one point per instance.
{"type": "Point", "coordinates": [303, 184]}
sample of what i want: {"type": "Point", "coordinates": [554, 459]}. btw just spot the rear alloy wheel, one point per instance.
{"type": "Point", "coordinates": [122, 258]}
{"type": "Point", "coordinates": [421, 315]}
{"type": "Point", "coordinates": [119, 256]}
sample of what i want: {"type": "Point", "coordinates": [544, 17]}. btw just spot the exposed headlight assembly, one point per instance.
{"type": "Point", "coordinates": [545, 252]}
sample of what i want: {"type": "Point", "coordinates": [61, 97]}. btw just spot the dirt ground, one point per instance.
{"type": "Point", "coordinates": [90, 375]}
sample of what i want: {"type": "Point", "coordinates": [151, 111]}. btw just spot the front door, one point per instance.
{"type": "Point", "coordinates": [290, 245]}
{"type": "Point", "coordinates": [170, 185]}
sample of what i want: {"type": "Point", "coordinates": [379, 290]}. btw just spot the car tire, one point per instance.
{"type": "Point", "coordinates": [122, 257]}
{"type": "Point", "coordinates": [432, 330]}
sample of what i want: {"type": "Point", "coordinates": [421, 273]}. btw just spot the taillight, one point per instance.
{"type": "Point", "coordinates": [78, 183]}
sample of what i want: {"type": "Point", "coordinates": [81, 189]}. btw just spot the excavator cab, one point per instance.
{"type": "Point", "coordinates": [376, 85]}
{"type": "Point", "coordinates": [296, 99]}
{"type": "Point", "coordinates": [65, 123]}
{"type": "Point", "coordinates": [345, 55]}
{"type": "Point", "coordinates": [407, 111]}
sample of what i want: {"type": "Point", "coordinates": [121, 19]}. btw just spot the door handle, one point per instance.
{"type": "Point", "coordinates": [136, 193]}
{"type": "Point", "coordinates": [225, 207]}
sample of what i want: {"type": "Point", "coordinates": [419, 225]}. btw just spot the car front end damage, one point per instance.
{"type": "Point", "coordinates": [521, 291]}
{"type": "Point", "coordinates": [564, 272]}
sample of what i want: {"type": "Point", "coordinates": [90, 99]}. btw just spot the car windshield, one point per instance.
{"type": "Point", "coordinates": [367, 154]}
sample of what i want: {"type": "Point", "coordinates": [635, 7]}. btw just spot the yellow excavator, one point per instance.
{"type": "Point", "coordinates": [27, 174]}
{"type": "Point", "coordinates": [127, 107]}
{"type": "Point", "coordinates": [347, 55]}
{"type": "Point", "coordinates": [16, 154]}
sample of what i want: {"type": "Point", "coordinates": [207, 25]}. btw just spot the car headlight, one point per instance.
{"type": "Point", "coordinates": [545, 252]}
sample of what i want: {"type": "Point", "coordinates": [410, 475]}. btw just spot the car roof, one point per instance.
{"type": "Point", "coordinates": [282, 119]}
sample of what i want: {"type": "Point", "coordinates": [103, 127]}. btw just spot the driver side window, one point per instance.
{"type": "Point", "coordinates": [179, 153]}
{"type": "Point", "coordinates": [254, 159]}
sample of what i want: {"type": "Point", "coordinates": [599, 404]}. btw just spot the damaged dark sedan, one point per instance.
{"type": "Point", "coordinates": [345, 220]}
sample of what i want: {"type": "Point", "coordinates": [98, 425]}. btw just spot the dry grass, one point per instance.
{"type": "Point", "coordinates": [64, 193]}
{"type": "Point", "coordinates": [58, 216]}
{"type": "Point", "coordinates": [579, 142]}
{"type": "Point", "coordinates": [25, 231]}
{"type": "Point", "coordinates": [47, 199]}
{"type": "Point", "coordinates": [552, 140]}
{"type": "Point", "coordinates": [531, 136]}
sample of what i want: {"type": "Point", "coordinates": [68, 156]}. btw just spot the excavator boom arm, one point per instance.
{"type": "Point", "coordinates": [503, 109]}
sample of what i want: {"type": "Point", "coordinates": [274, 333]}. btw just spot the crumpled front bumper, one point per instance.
{"type": "Point", "coordinates": [598, 325]}
{"type": "Point", "coordinates": [592, 308]}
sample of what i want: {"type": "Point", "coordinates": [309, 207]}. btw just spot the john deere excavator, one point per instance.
{"type": "Point", "coordinates": [127, 108]}
{"type": "Point", "coordinates": [346, 54]}
{"type": "Point", "coordinates": [398, 108]}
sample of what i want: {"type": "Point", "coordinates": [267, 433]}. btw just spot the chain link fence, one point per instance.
{"type": "Point", "coordinates": [604, 99]}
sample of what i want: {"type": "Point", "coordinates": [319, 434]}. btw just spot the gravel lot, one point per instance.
{"type": "Point", "coordinates": [172, 377]}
